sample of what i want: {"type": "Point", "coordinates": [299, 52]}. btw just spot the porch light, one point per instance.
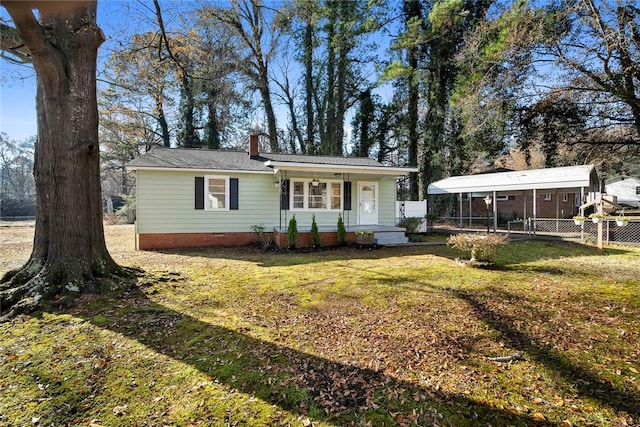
{"type": "Point", "coordinates": [315, 182]}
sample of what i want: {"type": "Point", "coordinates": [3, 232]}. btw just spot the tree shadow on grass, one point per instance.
{"type": "Point", "coordinates": [588, 383]}
{"type": "Point", "coordinates": [295, 381]}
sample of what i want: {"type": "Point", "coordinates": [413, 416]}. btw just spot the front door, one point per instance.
{"type": "Point", "coordinates": [368, 203]}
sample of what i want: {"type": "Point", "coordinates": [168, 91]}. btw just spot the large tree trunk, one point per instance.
{"type": "Point", "coordinates": [69, 250]}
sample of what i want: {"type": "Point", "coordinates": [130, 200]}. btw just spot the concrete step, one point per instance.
{"type": "Point", "coordinates": [390, 237]}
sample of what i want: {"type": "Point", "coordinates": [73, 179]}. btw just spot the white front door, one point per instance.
{"type": "Point", "coordinates": [368, 203]}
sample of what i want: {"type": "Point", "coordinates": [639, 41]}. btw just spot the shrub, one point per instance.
{"type": "Point", "coordinates": [315, 235]}
{"type": "Point", "coordinates": [342, 232]}
{"type": "Point", "coordinates": [477, 247]}
{"type": "Point", "coordinates": [292, 232]}
{"type": "Point", "coordinates": [411, 224]}
{"type": "Point", "coordinates": [265, 239]}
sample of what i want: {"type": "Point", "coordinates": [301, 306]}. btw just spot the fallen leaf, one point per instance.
{"type": "Point", "coordinates": [539, 417]}
{"type": "Point", "coordinates": [120, 410]}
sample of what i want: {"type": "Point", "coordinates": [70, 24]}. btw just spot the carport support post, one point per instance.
{"type": "Point", "coordinates": [495, 213]}
{"type": "Point", "coordinates": [460, 200]}
{"type": "Point", "coordinates": [535, 211]}
{"type": "Point", "coordinates": [470, 210]}
{"type": "Point", "coordinates": [600, 211]}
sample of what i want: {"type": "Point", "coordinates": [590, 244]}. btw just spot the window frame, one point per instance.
{"type": "Point", "coordinates": [548, 197]}
{"type": "Point", "coordinates": [565, 197]}
{"type": "Point", "coordinates": [227, 193]}
{"type": "Point", "coordinates": [502, 198]}
{"type": "Point", "coordinates": [305, 195]}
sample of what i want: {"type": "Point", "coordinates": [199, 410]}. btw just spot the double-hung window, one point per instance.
{"type": "Point", "coordinates": [216, 193]}
{"type": "Point", "coordinates": [316, 195]}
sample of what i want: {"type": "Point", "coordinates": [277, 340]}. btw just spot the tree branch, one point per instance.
{"type": "Point", "coordinates": [11, 42]}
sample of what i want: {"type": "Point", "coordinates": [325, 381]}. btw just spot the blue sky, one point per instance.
{"type": "Point", "coordinates": [18, 83]}
{"type": "Point", "coordinates": [118, 20]}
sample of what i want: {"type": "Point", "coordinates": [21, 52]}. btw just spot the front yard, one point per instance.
{"type": "Point", "coordinates": [391, 336]}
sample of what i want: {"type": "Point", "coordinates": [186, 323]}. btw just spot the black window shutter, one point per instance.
{"type": "Point", "coordinates": [233, 193]}
{"type": "Point", "coordinates": [284, 195]}
{"type": "Point", "coordinates": [347, 196]}
{"type": "Point", "coordinates": [199, 192]}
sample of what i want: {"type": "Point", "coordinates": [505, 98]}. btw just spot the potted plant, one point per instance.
{"type": "Point", "coordinates": [579, 219]}
{"type": "Point", "coordinates": [364, 237]}
{"type": "Point", "coordinates": [621, 221]}
{"type": "Point", "coordinates": [597, 217]}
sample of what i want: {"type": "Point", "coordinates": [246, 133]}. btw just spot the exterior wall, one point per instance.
{"type": "Point", "coordinates": [386, 208]}
{"type": "Point", "coordinates": [515, 206]}
{"type": "Point", "coordinates": [166, 204]}
{"type": "Point", "coordinates": [188, 240]}
{"type": "Point", "coordinates": [304, 239]}
{"type": "Point", "coordinates": [167, 218]}
{"type": "Point", "coordinates": [387, 202]}
{"type": "Point", "coordinates": [625, 189]}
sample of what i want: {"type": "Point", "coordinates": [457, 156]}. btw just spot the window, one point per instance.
{"type": "Point", "coordinates": [316, 195]}
{"type": "Point", "coordinates": [547, 197]}
{"type": "Point", "coordinates": [565, 197]}
{"type": "Point", "coordinates": [298, 195]}
{"type": "Point", "coordinates": [336, 195]}
{"type": "Point", "coordinates": [216, 193]}
{"type": "Point", "coordinates": [502, 198]}
{"type": "Point", "coordinates": [638, 191]}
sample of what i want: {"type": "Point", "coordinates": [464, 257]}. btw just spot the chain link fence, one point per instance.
{"type": "Point", "coordinates": [564, 228]}
{"type": "Point", "coordinates": [588, 231]}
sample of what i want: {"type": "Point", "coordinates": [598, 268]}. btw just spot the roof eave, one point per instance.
{"type": "Point", "coordinates": [321, 167]}
{"type": "Point", "coordinates": [204, 170]}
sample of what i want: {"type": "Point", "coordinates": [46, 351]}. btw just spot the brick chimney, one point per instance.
{"type": "Point", "coordinates": [253, 145]}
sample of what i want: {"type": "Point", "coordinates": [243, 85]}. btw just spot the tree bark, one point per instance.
{"type": "Point", "coordinates": [69, 250]}
{"type": "Point", "coordinates": [308, 80]}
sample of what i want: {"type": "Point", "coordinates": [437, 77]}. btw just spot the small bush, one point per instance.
{"type": "Point", "coordinates": [265, 239]}
{"type": "Point", "coordinates": [477, 247]}
{"type": "Point", "coordinates": [315, 235]}
{"type": "Point", "coordinates": [411, 224]}
{"type": "Point", "coordinates": [292, 232]}
{"type": "Point", "coordinates": [342, 232]}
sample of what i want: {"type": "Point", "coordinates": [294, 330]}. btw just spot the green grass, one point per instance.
{"type": "Point", "coordinates": [395, 336]}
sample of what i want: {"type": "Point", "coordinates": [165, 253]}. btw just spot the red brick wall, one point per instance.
{"type": "Point", "coordinates": [189, 240]}
{"type": "Point", "coordinates": [328, 238]}
{"type": "Point", "coordinates": [515, 206]}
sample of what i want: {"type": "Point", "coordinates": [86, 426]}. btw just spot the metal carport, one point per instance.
{"type": "Point", "coordinates": [570, 179]}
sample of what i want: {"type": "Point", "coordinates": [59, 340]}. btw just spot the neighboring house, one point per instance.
{"type": "Point", "coordinates": [195, 197]}
{"type": "Point", "coordinates": [626, 189]}
{"type": "Point", "coordinates": [537, 193]}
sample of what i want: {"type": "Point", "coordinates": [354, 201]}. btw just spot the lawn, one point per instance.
{"type": "Point", "coordinates": [390, 336]}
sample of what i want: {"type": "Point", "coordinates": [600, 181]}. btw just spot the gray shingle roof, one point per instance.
{"type": "Point", "coordinates": [189, 158]}
{"type": "Point", "coordinates": [324, 160]}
